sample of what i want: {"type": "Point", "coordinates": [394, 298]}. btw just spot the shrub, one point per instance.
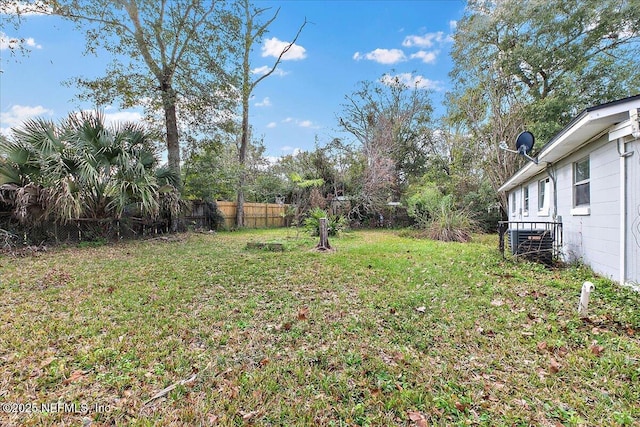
{"type": "Point", "coordinates": [335, 223]}
{"type": "Point", "coordinates": [450, 224]}
{"type": "Point", "coordinates": [422, 205]}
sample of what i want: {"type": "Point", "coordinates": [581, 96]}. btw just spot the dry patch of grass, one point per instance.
{"type": "Point", "coordinates": [384, 331]}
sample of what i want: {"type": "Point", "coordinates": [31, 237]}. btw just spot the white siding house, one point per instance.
{"type": "Point", "coordinates": [588, 178]}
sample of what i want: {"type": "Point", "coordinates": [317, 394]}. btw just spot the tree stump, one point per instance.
{"type": "Point", "coordinates": [324, 236]}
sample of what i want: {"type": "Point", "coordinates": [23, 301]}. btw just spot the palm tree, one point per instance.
{"type": "Point", "coordinates": [82, 169]}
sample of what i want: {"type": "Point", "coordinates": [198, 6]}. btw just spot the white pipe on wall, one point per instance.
{"type": "Point", "coordinates": [623, 154]}
{"type": "Point", "coordinates": [623, 211]}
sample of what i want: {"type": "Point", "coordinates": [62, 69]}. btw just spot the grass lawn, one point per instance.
{"type": "Point", "coordinates": [383, 331]}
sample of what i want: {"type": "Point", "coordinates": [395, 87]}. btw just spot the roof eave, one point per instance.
{"type": "Point", "coordinates": [583, 128]}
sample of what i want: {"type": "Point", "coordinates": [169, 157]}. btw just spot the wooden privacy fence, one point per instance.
{"type": "Point", "coordinates": [256, 215]}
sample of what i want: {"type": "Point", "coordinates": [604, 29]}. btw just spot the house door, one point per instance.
{"type": "Point", "coordinates": [633, 213]}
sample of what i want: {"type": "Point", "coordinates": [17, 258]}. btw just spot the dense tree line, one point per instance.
{"type": "Point", "coordinates": [518, 65]}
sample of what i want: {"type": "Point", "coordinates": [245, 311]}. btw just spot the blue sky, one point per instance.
{"type": "Point", "coordinates": [344, 43]}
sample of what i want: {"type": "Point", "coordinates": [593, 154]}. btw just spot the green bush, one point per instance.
{"type": "Point", "coordinates": [423, 205]}
{"type": "Point", "coordinates": [335, 223]}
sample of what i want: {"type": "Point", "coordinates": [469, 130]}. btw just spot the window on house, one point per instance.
{"type": "Point", "coordinates": [525, 200]}
{"type": "Point", "coordinates": [581, 179]}
{"type": "Point", "coordinates": [513, 202]}
{"type": "Point", "coordinates": [543, 194]}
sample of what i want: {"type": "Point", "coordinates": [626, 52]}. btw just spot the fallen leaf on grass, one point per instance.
{"type": "Point", "coordinates": [596, 349]}
{"type": "Point", "coordinates": [303, 313]}
{"type": "Point", "coordinates": [47, 362]}
{"type": "Point", "coordinates": [554, 366]}
{"type": "Point", "coordinates": [421, 309]}
{"type": "Point", "coordinates": [398, 357]}
{"type": "Point", "coordinates": [542, 345]}
{"type": "Point", "coordinates": [460, 406]}
{"type": "Point", "coordinates": [419, 418]}
{"type": "Point", "coordinates": [283, 327]}
{"type": "Point", "coordinates": [562, 351]}
{"type": "Point", "coordinates": [490, 333]}
{"type": "Point", "coordinates": [497, 302]}
{"type": "Point", "coordinates": [75, 375]}
{"type": "Point", "coordinates": [246, 416]}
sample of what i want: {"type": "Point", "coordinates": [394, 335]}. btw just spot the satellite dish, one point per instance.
{"type": "Point", "coordinates": [524, 142]}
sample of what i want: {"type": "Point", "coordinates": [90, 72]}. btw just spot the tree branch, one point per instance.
{"type": "Point", "coordinates": [284, 51]}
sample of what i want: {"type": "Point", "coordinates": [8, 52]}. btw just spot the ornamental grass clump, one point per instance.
{"type": "Point", "coordinates": [437, 217]}
{"type": "Point", "coordinates": [450, 224]}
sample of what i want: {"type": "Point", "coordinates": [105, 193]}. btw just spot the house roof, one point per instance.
{"type": "Point", "coordinates": [587, 125]}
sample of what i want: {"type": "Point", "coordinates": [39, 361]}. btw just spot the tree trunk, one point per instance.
{"type": "Point", "coordinates": [242, 159]}
{"type": "Point", "coordinates": [324, 236]}
{"type": "Point", "coordinates": [240, 202]}
{"type": "Point", "coordinates": [171, 122]}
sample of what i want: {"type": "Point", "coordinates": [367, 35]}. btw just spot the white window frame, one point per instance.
{"type": "Point", "coordinates": [525, 200]}
{"type": "Point", "coordinates": [544, 196]}
{"type": "Point", "coordinates": [513, 202]}
{"type": "Point", "coordinates": [582, 208]}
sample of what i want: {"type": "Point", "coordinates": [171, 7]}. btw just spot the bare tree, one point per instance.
{"type": "Point", "coordinates": [252, 32]}
{"type": "Point", "coordinates": [390, 119]}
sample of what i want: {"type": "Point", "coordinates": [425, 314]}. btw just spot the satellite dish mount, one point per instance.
{"type": "Point", "coordinates": [524, 144]}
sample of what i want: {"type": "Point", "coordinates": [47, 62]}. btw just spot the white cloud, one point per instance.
{"type": "Point", "coordinates": [426, 57]}
{"type": "Point", "coordinates": [274, 47]}
{"type": "Point", "coordinates": [410, 81]}
{"type": "Point", "coordinates": [272, 160]}
{"type": "Point", "coordinates": [122, 117]}
{"type": "Point", "coordinates": [293, 150]}
{"type": "Point", "coordinates": [427, 40]}
{"type": "Point", "coordinates": [18, 114]}
{"type": "Point", "coordinates": [271, 125]}
{"type": "Point", "coordinates": [117, 117]}
{"type": "Point", "coordinates": [382, 56]}
{"type": "Point", "coordinates": [266, 102]}
{"type": "Point", "coordinates": [300, 123]}
{"type": "Point", "coordinates": [25, 8]}
{"type": "Point", "coordinates": [265, 69]}
{"type": "Point", "coordinates": [32, 43]}
{"type": "Point", "coordinates": [453, 25]}
{"type": "Point", "coordinates": [7, 42]}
